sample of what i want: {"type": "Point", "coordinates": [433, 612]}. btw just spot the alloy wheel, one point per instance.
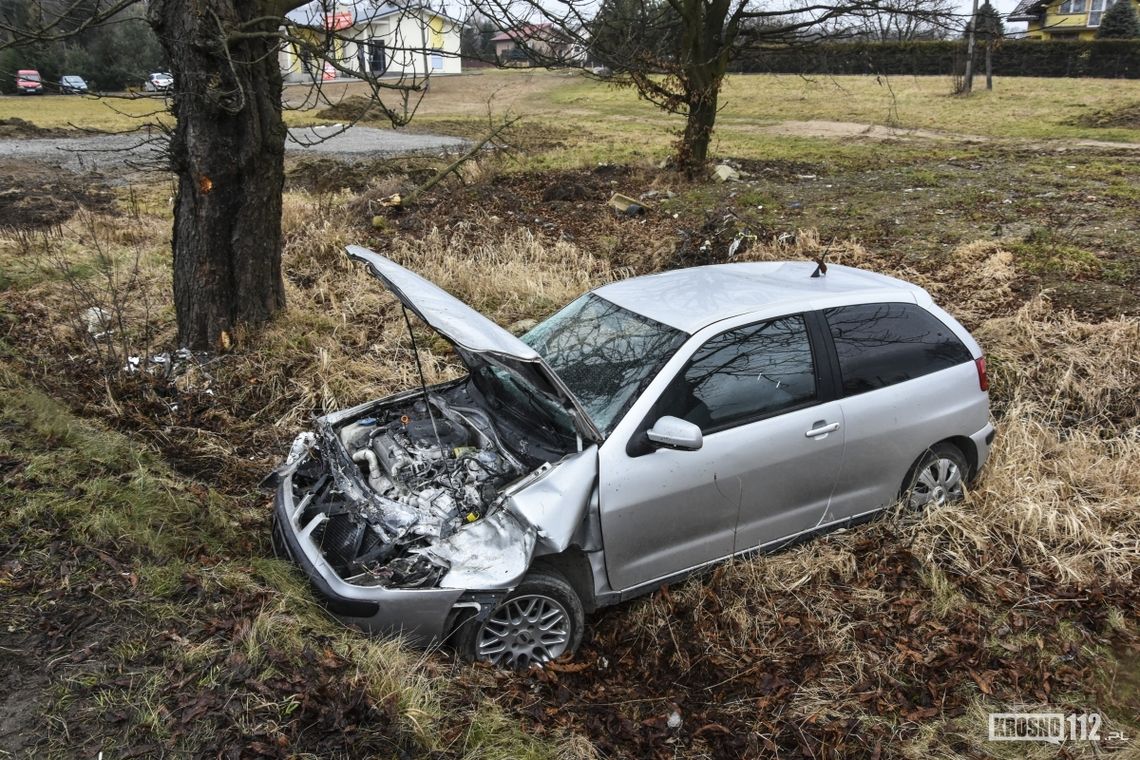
{"type": "Point", "coordinates": [525, 630]}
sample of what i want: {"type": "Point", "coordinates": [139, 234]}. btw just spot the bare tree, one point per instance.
{"type": "Point", "coordinates": [227, 148]}
{"type": "Point", "coordinates": [909, 20]}
{"type": "Point", "coordinates": [675, 53]}
{"type": "Point", "coordinates": [985, 26]}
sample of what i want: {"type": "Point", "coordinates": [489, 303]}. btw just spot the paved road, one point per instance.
{"type": "Point", "coordinates": [110, 152]}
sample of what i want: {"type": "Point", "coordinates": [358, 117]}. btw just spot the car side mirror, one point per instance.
{"type": "Point", "coordinates": [675, 433]}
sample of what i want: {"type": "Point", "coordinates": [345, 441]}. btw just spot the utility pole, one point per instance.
{"type": "Point", "coordinates": [968, 81]}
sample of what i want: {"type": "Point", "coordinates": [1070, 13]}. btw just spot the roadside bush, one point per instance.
{"type": "Point", "coordinates": [1063, 58]}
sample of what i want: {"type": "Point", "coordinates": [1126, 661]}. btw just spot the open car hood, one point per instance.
{"type": "Point", "coordinates": [473, 335]}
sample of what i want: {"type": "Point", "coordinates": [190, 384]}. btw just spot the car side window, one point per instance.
{"type": "Point", "coordinates": [743, 374]}
{"type": "Point", "coordinates": [880, 344]}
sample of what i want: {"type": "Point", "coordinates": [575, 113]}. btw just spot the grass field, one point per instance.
{"type": "Point", "coordinates": [1019, 107]}
{"type": "Point", "coordinates": [145, 615]}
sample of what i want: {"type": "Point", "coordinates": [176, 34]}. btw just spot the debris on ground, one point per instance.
{"type": "Point", "coordinates": [97, 322]}
{"type": "Point", "coordinates": [565, 191]}
{"type": "Point", "coordinates": [623, 204]}
{"type": "Point", "coordinates": [725, 173]}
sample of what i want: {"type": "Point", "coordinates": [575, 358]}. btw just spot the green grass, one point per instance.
{"type": "Point", "coordinates": [1045, 252]}
{"type": "Point", "coordinates": [1019, 107]}
{"type": "Point", "coordinates": [61, 112]}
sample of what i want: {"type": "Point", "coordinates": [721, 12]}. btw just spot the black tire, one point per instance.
{"type": "Point", "coordinates": [936, 478]}
{"type": "Point", "coordinates": [540, 620]}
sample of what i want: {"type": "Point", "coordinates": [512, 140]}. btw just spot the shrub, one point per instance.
{"type": "Point", "coordinates": [1109, 58]}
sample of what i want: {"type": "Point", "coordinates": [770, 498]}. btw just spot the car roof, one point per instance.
{"type": "Point", "coordinates": [690, 299]}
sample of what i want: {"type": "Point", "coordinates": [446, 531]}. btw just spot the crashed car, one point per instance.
{"type": "Point", "coordinates": [649, 429]}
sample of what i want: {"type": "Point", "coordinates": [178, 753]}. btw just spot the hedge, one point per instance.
{"type": "Point", "coordinates": [1022, 57]}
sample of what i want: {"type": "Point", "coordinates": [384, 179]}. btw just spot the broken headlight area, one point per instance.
{"type": "Point", "coordinates": [386, 490]}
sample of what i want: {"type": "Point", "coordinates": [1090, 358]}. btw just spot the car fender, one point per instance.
{"type": "Point", "coordinates": [555, 502]}
{"type": "Point", "coordinates": [493, 553]}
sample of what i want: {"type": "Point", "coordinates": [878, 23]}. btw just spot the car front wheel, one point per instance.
{"type": "Point", "coordinates": [539, 621]}
{"type": "Point", "coordinates": [937, 478]}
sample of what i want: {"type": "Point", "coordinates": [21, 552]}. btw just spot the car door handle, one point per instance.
{"type": "Point", "coordinates": [823, 430]}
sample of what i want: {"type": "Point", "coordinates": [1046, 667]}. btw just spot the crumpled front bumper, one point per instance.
{"type": "Point", "coordinates": [420, 615]}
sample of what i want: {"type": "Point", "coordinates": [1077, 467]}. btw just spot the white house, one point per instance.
{"type": "Point", "coordinates": [377, 38]}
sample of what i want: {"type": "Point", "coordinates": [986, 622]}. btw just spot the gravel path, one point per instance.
{"type": "Point", "coordinates": [112, 152]}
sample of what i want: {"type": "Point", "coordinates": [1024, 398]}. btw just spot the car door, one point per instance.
{"type": "Point", "coordinates": [903, 374]}
{"type": "Point", "coordinates": [771, 452]}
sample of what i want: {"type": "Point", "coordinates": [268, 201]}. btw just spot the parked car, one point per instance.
{"type": "Point", "coordinates": [159, 82]}
{"type": "Point", "coordinates": [651, 428]}
{"type": "Point", "coordinates": [29, 82]}
{"type": "Point", "coordinates": [72, 84]}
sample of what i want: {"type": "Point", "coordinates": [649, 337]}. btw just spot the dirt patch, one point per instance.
{"type": "Point", "coordinates": [352, 108]}
{"type": "Point", "coordinates": [329, 175]}
{"type": "Point", "coordinates": [567, 205]}
{"type": "Point", "coordinates": [1095, 301]}
{"type": "Point", "coordinates": [17, 127]}
{"type": "Point", "coordinates": [33, 198]}
{"type": "Point", "coordinates": [1126, 116]}
{"type": "Point", "coordinates": [21, 705]}
{"type": "Point", "coordinates": [849, 129]}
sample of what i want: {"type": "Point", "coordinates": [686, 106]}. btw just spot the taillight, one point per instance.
{"type": "Point", "coordinates": [983, 378]}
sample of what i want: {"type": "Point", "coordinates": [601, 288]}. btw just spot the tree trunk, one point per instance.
{"type": "Point", "coordinates": [228, 152]}
{"type": "Point", "coordinates": [693, 149]}
{"type": "Point", "coordinates": [706, 43]}
{"type": "Point", "coordinates": [968, 79]}
{"type": "Point", "coordinates": [989, 66]}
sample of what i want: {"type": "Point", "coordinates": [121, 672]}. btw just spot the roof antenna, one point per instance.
{"type": "Point", "coordinates": [423, 383]}
{"type": "Point", "coordinates": [820, 262]}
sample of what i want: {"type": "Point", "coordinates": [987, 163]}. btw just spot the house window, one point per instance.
{"type": "Point", "coordinates": [1096, 10]}
{"type": "Point", "coordinates": [1072, 6]}
{"type": "Point", "coordinates": [377, 60]}
{"type": "Point", "coordinates": [436, 60]}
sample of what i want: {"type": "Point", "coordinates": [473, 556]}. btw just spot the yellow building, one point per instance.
{"type": "Point", "coordinates": [1063, 19]}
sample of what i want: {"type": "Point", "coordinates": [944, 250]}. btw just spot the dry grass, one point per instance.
{"type": "Point", "coordinates": [351, 332]}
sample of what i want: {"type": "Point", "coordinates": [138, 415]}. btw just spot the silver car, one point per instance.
{"type": "Point", "coordinates": [159, 81]}
{"type": "Point", "coordinates": [648, 430]}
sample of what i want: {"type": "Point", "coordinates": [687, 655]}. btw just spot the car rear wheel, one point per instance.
{"type": "Point", "coordinates": [937, 478]}
{"type": "Point", "coordinates": [539, 621]}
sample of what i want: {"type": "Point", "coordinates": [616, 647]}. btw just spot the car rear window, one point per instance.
{"type": "Point", "coordinates": [881, 344]}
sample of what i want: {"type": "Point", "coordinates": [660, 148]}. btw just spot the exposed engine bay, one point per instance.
{"type": "Point", "coordinates": [393, 484]}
